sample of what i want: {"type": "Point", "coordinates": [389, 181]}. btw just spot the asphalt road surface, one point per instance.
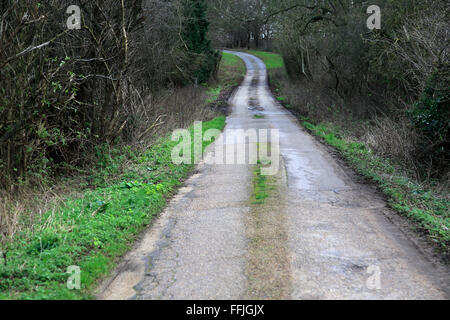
{"type": "Point", "coordinates": [320, 234]}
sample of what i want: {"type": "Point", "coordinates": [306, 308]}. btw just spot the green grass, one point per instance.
{"type": "Point", "coordinates": [231, 60]}
{"type": "Point", "coordinates": [94, 230]}
{"type": "Point", "coordinates": [430, 212]}
{"type": "Point", "coordinates": [213, 93]}
{"type": "Point", "coordinates": [231, 72]}
{"type": "Point", "coordinates": [272, 60]}
{"type": "Point", "coordinates": [260, 187]}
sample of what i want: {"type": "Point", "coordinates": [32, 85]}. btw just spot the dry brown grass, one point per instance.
{"type": "Point", "coordinates": [10, 211]}
{"type": "Point", "coordinates": [20, 211]}
{"type": "Point", "coordinates": [392, 138]}
{"type": "Point", "coordinates": [170, 109]}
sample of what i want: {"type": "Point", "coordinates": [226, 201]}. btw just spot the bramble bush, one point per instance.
{"type": "Point", "coordinates": [431, 116]}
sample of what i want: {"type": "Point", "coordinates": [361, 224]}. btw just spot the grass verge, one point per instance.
{"type": "Point", "coordinates": [91, 232]}
{"type": "Point", "coordinates": [231, 73]}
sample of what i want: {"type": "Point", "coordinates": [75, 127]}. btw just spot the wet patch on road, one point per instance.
{"type": "Point", "coordinates": [253, 101]}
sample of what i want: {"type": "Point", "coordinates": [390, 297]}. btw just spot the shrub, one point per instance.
{"type": "Point", "coordinates": [195, 30]}
{"type": "Point", "coordinates": [431, 116]}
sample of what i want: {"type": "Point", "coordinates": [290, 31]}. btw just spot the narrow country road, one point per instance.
{"type": "Point", "coordinates": [319, 235]}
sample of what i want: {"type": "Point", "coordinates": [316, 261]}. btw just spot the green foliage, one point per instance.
{"type": "Point", "coordinates": [431, 114]}
{"type": "Point", "coordinates": [205, 59]}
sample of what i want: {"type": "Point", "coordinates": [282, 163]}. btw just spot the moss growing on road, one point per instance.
{"type": "Point", "coordinates": [268, 266]}
{"type": "Point", "coordinates": [260, 187]}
